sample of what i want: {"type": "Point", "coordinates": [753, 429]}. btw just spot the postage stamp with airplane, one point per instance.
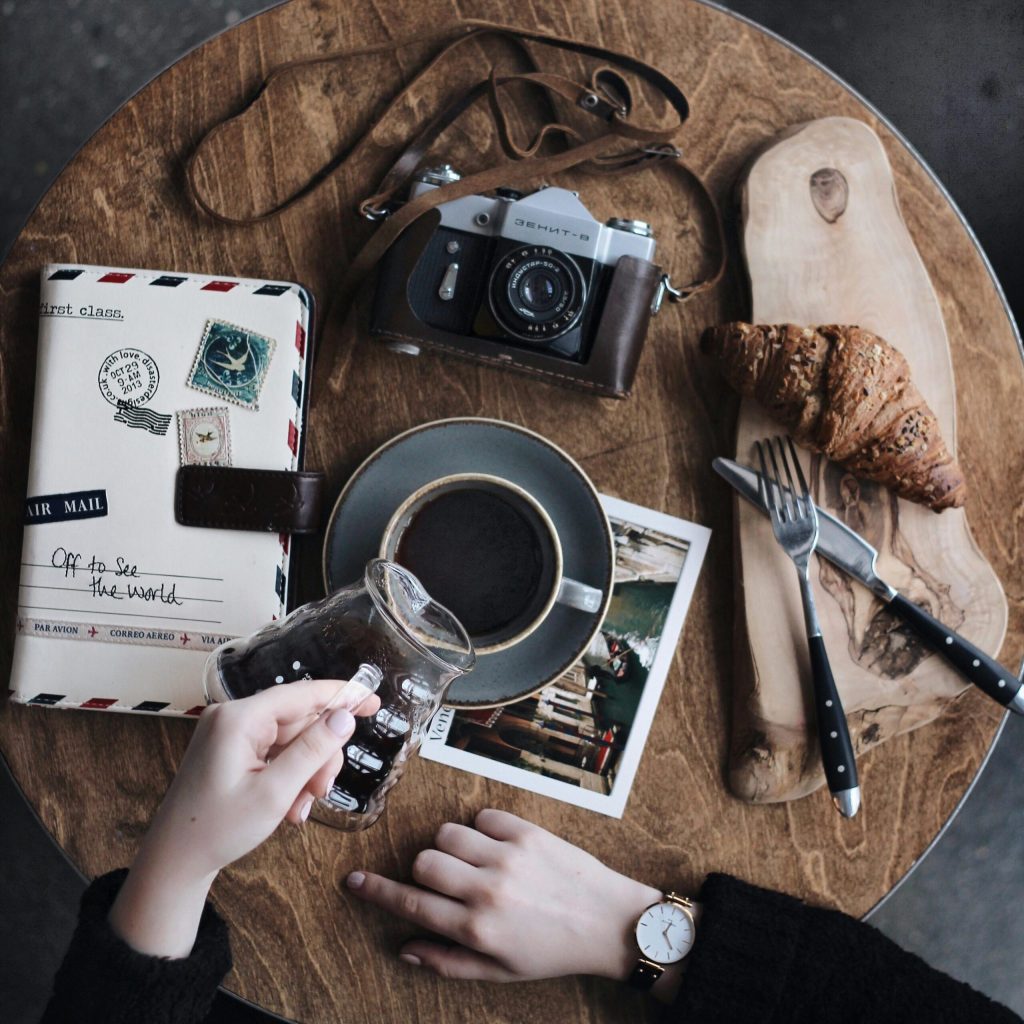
{"type": "Point", "coordinates": [204, 437]}
{"type": "Point", "coordinates": [231, 363]}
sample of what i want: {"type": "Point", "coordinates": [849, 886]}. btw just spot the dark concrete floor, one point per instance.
{"type": "Point", "coordinates": [949, 75]}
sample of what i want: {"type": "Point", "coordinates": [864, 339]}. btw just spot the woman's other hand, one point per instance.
{"type": "Point", "coordinates": [518, 902]}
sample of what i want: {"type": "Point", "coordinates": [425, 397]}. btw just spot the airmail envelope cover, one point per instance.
{"type": "Point", "coordinates": [138, 373]}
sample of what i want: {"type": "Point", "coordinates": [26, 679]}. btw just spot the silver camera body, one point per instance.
{"type": "Point", "coordinates": [530, 281]}
{"type": "Point", "coordinates": [551, 216]}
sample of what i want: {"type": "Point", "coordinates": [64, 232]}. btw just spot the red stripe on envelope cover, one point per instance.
{"type": "Point", "coordinates": [115, 278]}
{"type": "Point", "coordinates": [300, 339]}
{"type": "Point", "coordinates": [196, 711]}
{"type": "Point", "coordinates": [219, 286]}
{"type": "Point", "coordinates": [293, 437]}
{"type": "Point", "coordinates": [99, 703]}
{"type": "Point", "coordinates": [283, 538]}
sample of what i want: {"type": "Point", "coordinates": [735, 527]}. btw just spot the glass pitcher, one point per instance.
{"type": "Point", "coordinates": [386, 624]}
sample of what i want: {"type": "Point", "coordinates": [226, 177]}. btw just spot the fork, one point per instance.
{"type": "Point", "coordinates": [795, 525]}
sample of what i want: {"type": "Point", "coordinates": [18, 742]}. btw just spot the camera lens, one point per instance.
{"type": "Point", "coordinates": [539, 289]}
{"type": "Point", "coordinates": [537, 293]}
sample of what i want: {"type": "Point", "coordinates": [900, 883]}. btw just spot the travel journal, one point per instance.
{"type": "Point", "coordinates": [140, 373]}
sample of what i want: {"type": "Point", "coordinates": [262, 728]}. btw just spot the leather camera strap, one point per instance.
{"type": "Point", "coordinates": [624, 145]}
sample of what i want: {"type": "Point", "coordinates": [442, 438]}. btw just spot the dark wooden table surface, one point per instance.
{"type": "Point", "coordinates": [302, 948]}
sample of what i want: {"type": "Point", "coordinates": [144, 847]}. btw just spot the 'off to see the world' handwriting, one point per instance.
{"type": "Point", "coordinates": [123, 573]}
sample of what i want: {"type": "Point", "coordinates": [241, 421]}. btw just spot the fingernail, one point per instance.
{"type": "Point", "coordinates": [351, 694]}
{"type": "Point", "coordinates": [410, 959]}
{"type": "Point", "coordinates": [355, 880]}
{"type": "Point", "coordinates": [341, 722]}
{"type": "Point", "coordinates": [306, 808]}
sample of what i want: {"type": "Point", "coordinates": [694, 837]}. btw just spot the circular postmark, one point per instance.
{"type": "Point", "coordinates": [128, 376]}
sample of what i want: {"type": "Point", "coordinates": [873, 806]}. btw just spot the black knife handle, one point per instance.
{"type": "Point", "coordinates": [833, 734]}
{"type": "Point", "coordinates": [986, 673]}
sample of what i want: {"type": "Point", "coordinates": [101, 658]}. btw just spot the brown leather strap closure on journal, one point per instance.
{"type": "Point", "coordinates": [231, 498]}
{"type": "Point", "coordinates": [621, 147]}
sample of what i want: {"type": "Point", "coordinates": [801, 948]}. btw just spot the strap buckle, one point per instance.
{"type": "Point", "coordinates": [665, 287]}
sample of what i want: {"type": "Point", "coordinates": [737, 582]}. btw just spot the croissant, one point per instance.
{"type": "Point", "coordinates": [846, 393]}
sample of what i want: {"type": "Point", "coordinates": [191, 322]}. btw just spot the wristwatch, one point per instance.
{"type": "Point", "coordinates": [664, 932]}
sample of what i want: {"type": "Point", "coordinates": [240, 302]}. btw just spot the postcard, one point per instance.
{"type": "Point", "coordinates": [580, 739]}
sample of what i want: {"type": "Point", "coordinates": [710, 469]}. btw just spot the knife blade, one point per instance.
{"type": "Point", "coordinates": [850, 552]}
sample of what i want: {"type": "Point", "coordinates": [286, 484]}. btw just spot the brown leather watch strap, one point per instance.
{"type": "Point", "coordinates": [645, 974]}
{"type": "Point", "coordinates": [226, 498]}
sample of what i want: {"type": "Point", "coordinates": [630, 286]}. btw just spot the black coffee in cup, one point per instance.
{"type": "Point", "coordinates": [484, 553]}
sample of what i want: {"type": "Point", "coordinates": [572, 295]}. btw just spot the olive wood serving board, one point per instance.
{"type": "Point", "coordinates": [825, 243]}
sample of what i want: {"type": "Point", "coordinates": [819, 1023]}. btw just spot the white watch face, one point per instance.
{"type": "Point", "coordinates": [665, 933]}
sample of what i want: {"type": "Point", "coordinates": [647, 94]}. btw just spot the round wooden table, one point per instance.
{"type": "Point", "coordinates": [302, 947]}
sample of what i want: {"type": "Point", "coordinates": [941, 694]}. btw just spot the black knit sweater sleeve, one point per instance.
{"type": "Point", "coordinates": [765, 958]}
{"type": "Point", "coordinates": [102, 979]}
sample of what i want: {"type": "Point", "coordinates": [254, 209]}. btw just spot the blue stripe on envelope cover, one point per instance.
{"type": "Point", "coordinates": [279, 584]}
{"type": "Point", "coordinates": [65, 275]}
{"type": "Point", "coordinates": [151, 705]}
{"type": "Point", "coordinates": [143, 419]}
{"type": "Point", "coordinates": [296, 388]}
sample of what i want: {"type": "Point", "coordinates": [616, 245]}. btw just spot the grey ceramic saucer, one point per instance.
{"type": "Point", "coordinates": [501, 449]}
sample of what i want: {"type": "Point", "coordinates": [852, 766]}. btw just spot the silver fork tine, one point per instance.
{"type": "Point", "coordinates": [798, 511]}
{"type": "Point", "coordinates": [806, 493]}
{"type": "Point", "coordinates": [765, 483]}
{"type": "Point", "coordinates": [785, 505]}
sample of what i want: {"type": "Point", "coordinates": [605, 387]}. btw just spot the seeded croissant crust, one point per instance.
{"type": "Point", "coordinates": [847, 393]}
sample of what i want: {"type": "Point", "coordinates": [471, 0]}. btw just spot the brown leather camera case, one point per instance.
{"type": "Point", "coordinates": [614, 354]}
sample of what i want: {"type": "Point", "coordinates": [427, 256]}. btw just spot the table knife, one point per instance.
{"type": "Point", "coordinates": [856, 557]}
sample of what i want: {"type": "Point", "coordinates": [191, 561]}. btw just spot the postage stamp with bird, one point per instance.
{"type": "Point", "coordinates": [204, 437]}
{"type": "Point", "coordinates": [231, 363]}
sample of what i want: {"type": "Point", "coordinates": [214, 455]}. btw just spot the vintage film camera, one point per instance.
{"type": "Point", "coordinates": [531, 282]}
